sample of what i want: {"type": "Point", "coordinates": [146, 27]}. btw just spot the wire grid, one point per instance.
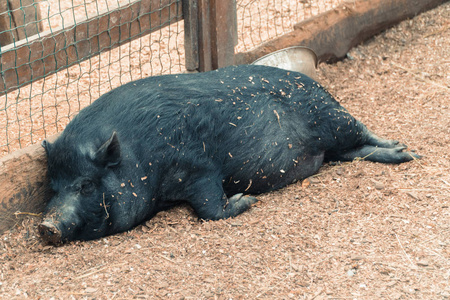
{"type": "Point", "coordinates": [263, 20]}
{"type": "Point", "coordinates": [44, 107]}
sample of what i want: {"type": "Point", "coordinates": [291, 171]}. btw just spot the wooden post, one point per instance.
{"type": "Point", "coordinates": [223, 16]}
{"type": "Point", "coordinates": [191, 21]}
{"type": "Point", "coordinates": [210, 33]}
{"type": "Point", "coordinates": [204, 36]}
{"type": "Point", "coordinates": [19, 19]}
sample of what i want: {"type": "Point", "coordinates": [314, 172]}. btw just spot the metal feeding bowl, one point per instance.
{"type": "Point", "coordinates": [299, 59]}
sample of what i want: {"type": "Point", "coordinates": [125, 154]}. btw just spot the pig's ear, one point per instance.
{"type": "Point", "coordinates": [46, 145]}
{"type": "Point", "coordinates": [109, 155]}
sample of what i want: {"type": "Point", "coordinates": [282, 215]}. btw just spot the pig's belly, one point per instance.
{"type": "Point", "coordinates": [266, 179]}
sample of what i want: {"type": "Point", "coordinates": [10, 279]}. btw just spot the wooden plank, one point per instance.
{"type": "Point", "coordinates": [332, 34]}
{"type": "Point", "coordinates": [190, 15]}
{"type": "Point", "coordinates": [55, 50]}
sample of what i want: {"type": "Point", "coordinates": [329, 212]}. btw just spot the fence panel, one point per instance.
{"type": "Point", "coordinates": [85, 49]}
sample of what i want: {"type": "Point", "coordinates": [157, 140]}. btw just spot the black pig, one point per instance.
{"type": "Point", "coordinates": [201, 138]}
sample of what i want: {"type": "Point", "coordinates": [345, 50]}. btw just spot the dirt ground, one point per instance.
{"type": "Point", "coordinates": [357, 230]}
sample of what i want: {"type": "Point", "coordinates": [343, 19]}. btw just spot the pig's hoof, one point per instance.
{"type": "Point", "coordinates": [398, 154]}
{"type": "Point", "coordinates": [239, 201]}
{"type": "Point", "coordinates": [49, 233]}
{"type": "Point", "coordinates": [393, 144]}
{"type": "Point", "coordinates": [241, 197]}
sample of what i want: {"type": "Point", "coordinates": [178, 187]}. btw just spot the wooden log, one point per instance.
{"type": "Point", "coordinates": [19, 19]}
{"type": "Point", "coordinates": [51, 51]}
{"type": "Point", "coordinates": [332, 34]}
{"type": "Point", "coordinates": [23, 185]}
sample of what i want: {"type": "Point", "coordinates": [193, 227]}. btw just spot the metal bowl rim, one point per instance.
{"type": "Point", "coordinates": [291, 48]}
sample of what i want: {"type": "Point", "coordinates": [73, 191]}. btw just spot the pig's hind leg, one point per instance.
{"type": "Point", "coordinates": [394, 155]}
{"type": "Point", "coordinates": [377, 149]}
{"type": "Point", "coordinates": [210, 202]}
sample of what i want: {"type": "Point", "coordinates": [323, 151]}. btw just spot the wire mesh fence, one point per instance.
{"type": "Point", "coordinates": [81, 57]}
{"type": "Point", "coordinates": [262, 20]}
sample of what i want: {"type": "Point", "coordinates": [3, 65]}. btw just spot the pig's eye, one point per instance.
{"type": "Point", "coordinates": [87, 187]}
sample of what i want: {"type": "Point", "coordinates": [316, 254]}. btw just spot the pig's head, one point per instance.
{"type": "Point", "coordinates": [81, 178]}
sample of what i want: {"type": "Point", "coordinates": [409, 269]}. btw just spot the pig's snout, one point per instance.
{"type": "Point", "coordinates": [49, 232]}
